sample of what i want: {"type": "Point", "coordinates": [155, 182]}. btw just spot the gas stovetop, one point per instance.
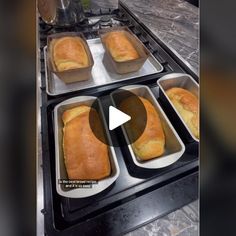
{"type": "Point", "coordinates": [93, 22]}
{"type": "Point", "coordinates": [138, 196]}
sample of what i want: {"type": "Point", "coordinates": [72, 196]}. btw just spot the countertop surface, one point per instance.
{"type": "Point", "coordinates": [176, 23]}
{"type": "Point", "coordinates": [182, 222]}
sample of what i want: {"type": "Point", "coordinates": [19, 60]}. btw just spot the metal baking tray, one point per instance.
{"type": "Point", "coordinates": [125, 66]}
{"type": "Point", "coordinates": [60, 166]}
{"type": "Point", "coordinates": [174, 147]}
{"type": "Point", "coordinates": [182, 81]}
{"type": "Point", "coordinates": [72, 75]}
{"type": "Point", "coordinates": [102, 72]}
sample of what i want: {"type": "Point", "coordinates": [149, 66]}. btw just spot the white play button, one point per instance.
{"type": "Point", "coordinates": [117, 118]}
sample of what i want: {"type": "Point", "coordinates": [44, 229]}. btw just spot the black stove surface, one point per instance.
{"type": "Point", "coordinates": [138, 196]}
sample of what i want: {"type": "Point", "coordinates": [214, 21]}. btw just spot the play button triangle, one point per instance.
{"type": "Point", "coordinates": [117, 118]}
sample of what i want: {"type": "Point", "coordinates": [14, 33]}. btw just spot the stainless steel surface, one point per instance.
{"type": "Point", "coordinates": [40, 194]}
{"type": "Point", "coordinates": [47, 10]}
{"type": "Point", "coordinates": [60, 166]}
{"type": "Point", "coordinates": [174, 147]}
{"type": "Point", "coordinates": [122, 67]}
{"type": "Point", "coordinates": [61, 12]}
{"type": "Point", "coordinates": [72, 75]}
{"type": "Point", "coordinates": [180, 80]}
{"type": "Point", "coordinates": [102, 72]}
{"type": "Point", "coordinates": [63, 4]}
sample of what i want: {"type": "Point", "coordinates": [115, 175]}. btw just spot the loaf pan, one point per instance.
{"type": "Point", "coordinates": [180, 80]}
{"type": "Point", "coordinates": [174, 147]}
{"type": "Point", "coordinates": [72, 75]}
{"type": "Point", "coordinates": [60, 166]}
{"type": "Point", "coordinates": [126, 66]}
{"type": "Point", "coordinates": [100, 73]}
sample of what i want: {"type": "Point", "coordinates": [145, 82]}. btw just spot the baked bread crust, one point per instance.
{"type": "Point", "coordinates": [69, 53]}
{"type": "Point", "coordinates": [86, 157]}
{"type": "Point", "coordinates": [151, 143]}
{"type": "Point", "coordinates": [119, 46]}
{"type": "Point", "coordinates": [186, 104]}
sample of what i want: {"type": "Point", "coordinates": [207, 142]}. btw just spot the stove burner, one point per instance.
{"type": "Point", "coordinates": [105, 22]}
{"type": "Point", "coordinates": [105, 19]}
{"type": "Point", "coordinates": [93, 21]}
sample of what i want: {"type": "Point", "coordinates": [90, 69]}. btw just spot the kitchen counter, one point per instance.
{"type": "Point", "coordinates": [176, 23]}
{"type": "Point", "coordinates": [182, 222]}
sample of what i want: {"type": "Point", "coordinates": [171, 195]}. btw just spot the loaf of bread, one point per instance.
{"type": "Point", "coordinates": [186, 103]}
{"type": "Point", "coordinates": [119, 46]}
{"type": "Point", "coordinates": [151, 143]}
{"type": "Point", "coordinates": [68, 53]}
{"type": "Point", "coordinates": [86, 157]}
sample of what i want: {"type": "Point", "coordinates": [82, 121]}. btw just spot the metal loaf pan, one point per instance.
{"type": "Point", "coordinates": [126, 66]}
{"type": "Point", "coordinates": [60, 166]}
{"type": "Point", "coordinates": [72, 75]}
{"type": "Point", "coordinates": [174, 147]}
{"type": "Point", "coordinates": [102, 72]}
{"type": "Point", "coordinates": [180, 80]}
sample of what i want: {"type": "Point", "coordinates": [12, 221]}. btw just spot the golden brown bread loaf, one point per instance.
{"type": "Point", "coordinates": [86, 157]}
{"type": "Point", "coordinates": [68, 53]}
{"type": "Point", "coordinates": [151, 143]}
{"type": "Point", "coordinates": [186, 104]}
{"type": "Point", "coordinates": [119, 46]}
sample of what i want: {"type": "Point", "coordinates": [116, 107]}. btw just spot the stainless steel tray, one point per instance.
{"type": "Point", "coordinates": [60, 166]}
{"type": "Point", "coordinates": [182, 81]}
{"type": "Point", "coordinates": [102, 72]}
{"type": "Point", "coordinates": [174, 147]}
